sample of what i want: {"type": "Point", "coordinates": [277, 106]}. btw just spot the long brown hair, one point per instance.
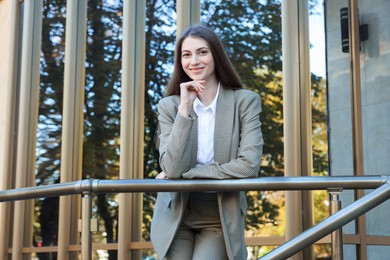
{"type": "Point", "coordinates": [224, 70]}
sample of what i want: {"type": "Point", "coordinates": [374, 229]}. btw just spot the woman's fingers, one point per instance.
{"type": "Point", "coordinates": [162, 175]}
{"type": "Point", "coordinates": [196, 86]}
{"type": "Point", "coordinates": [188, 93]}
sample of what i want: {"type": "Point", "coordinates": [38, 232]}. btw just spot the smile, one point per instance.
{"type": "Point", "coordinates": [196, 69]}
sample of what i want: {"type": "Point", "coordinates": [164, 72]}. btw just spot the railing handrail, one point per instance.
{"type": "Point", "coordinates": [332, 223]}
{"type": "Point", "coordinates": [380, 184]}
{"type": "Point", "coordinates": [157, 185]}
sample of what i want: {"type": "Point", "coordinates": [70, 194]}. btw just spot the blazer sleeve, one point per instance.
{"type": "Point", "coordinates": [175, 138]}
{"type": "Point", "coordinates": [247, 163]}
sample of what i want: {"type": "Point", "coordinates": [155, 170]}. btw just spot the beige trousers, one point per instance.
{"type": "Point", "coordinates": [200, 234]}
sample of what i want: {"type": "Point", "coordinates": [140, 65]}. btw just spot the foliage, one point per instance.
{"type": "Point", "coordinates": [101, 111]}
{"type": "Point", "coordinates": [319, 121]}
{"type": "Point", "coordinates": [48, 150]}
{"type": "Point", "coordinates": [320, 153]}
{"type": "Point", "coordinates": [159, 51]}
{"type": "Point", "coordinates": [102, 106]}
{"type": "Point", "coordinates": [251, 33]}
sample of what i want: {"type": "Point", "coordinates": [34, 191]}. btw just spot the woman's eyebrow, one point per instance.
{"type": "Point", "coordinates": [201, 48]}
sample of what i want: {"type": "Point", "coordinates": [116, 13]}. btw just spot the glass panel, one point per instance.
{"type": "Point", "coordinates": [339, 94]}
{"type": "Point", "coordinates": [375, 49]}
{"type": "Point", "coordinates": [349, 252]}
{"type": "Point", "coordinates": [160, 31]}
{"type": "Point", "coordinates": [102, 110]}
{"type": "Point", "coordinates": [347, 197]}
{"type": "Point", "coordinates": [378, 252]}
{"type": "Point", "coordinates": [318, 88]}
{"type": "Point", "coordinates": [319, 114]}
{"type": "Point", "coordinates": [48, 151]}
{"type": "Point", "coordinates": [251, 34]}
{"type": "Point", "coordinates": [339, 97]}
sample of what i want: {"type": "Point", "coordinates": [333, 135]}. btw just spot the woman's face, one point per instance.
{"type": "Point", "coordinates": [196, 59]}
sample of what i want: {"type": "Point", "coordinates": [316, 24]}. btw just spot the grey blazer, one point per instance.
{"type": "Point", "coordinates": [238, 146]}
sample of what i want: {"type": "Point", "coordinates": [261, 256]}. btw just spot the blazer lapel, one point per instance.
{"type": "Point", "coordinates": [224, 120]}
{"type": "Point", "coordinates": [194, 139]}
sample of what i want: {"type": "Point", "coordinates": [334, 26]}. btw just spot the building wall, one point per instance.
{"type": "Point", "coordinates": [375, 89]}
{"type": "Point", "coordinates": [5, 72]}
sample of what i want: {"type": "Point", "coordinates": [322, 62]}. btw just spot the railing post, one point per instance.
{"type": "Point", "coordinates": [86, 236]}
{"type": "Point", "coordinates": [337, 235]}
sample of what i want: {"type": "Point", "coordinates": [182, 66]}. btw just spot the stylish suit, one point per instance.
{"type": "Point", "coordinates": [238, 144]}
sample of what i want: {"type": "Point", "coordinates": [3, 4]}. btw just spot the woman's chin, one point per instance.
{"type": "Point", "coordinates": [197, 78]}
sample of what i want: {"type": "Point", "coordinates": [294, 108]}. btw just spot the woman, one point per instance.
{"type": "Point", "coordinates": [209, 128]}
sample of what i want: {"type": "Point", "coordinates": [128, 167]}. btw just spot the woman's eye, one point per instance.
{"type": "Point", "coordinates": [203, 53]}
{"type": "Point", "coordinates": [185, 55]}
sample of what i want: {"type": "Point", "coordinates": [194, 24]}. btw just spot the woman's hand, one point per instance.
{"type": "Point", "coordinates": [188, 92]}
{"type": "Point", "coordinates": [162, 175]}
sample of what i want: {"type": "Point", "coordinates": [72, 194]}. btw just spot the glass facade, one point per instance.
{"type": "Point", "coordinates": [101, 69]}
{"type": "Point", "coordinates": [374, 105]}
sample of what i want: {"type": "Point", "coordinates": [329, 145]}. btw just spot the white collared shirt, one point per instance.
{"type": "Point", "coordinates": [206, 125]}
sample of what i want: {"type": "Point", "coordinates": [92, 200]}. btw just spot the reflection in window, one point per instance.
{"type": "Point", "coordinates": [102, 110]}
{"type": "Point", "coordinates": [48, 148]}
{"type": "Point", "coordinates": [251, 34]}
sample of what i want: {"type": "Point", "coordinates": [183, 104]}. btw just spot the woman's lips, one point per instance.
{"type": "Point", "coordinates": [196, 70]}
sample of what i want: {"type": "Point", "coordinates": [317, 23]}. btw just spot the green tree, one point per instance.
{"type": "Point", "coordinates": [159, 48]}
{"type": "Point", "coordinates": [251, 33]}
{"type": "Point", "coordinates": [102, 107]}
{"type": "Point", "coordinates": [320, 154]}
{"type": "Point", "coordinates": [49, 121]}
{"type": "Point", "coordinates": [101, 111]}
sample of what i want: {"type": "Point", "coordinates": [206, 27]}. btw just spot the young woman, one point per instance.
{"type": "Point", "coordinates": [209, 128]}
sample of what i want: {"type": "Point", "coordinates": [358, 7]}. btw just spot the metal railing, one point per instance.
{"type": "Point", "coordinates": [380, 184]}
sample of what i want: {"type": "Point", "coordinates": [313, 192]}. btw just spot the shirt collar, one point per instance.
{"type": "Point", "coordinates": [213, 106]}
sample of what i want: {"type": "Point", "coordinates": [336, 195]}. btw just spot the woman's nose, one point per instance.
{"type": "Point", "coordinates": [194, 59]}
